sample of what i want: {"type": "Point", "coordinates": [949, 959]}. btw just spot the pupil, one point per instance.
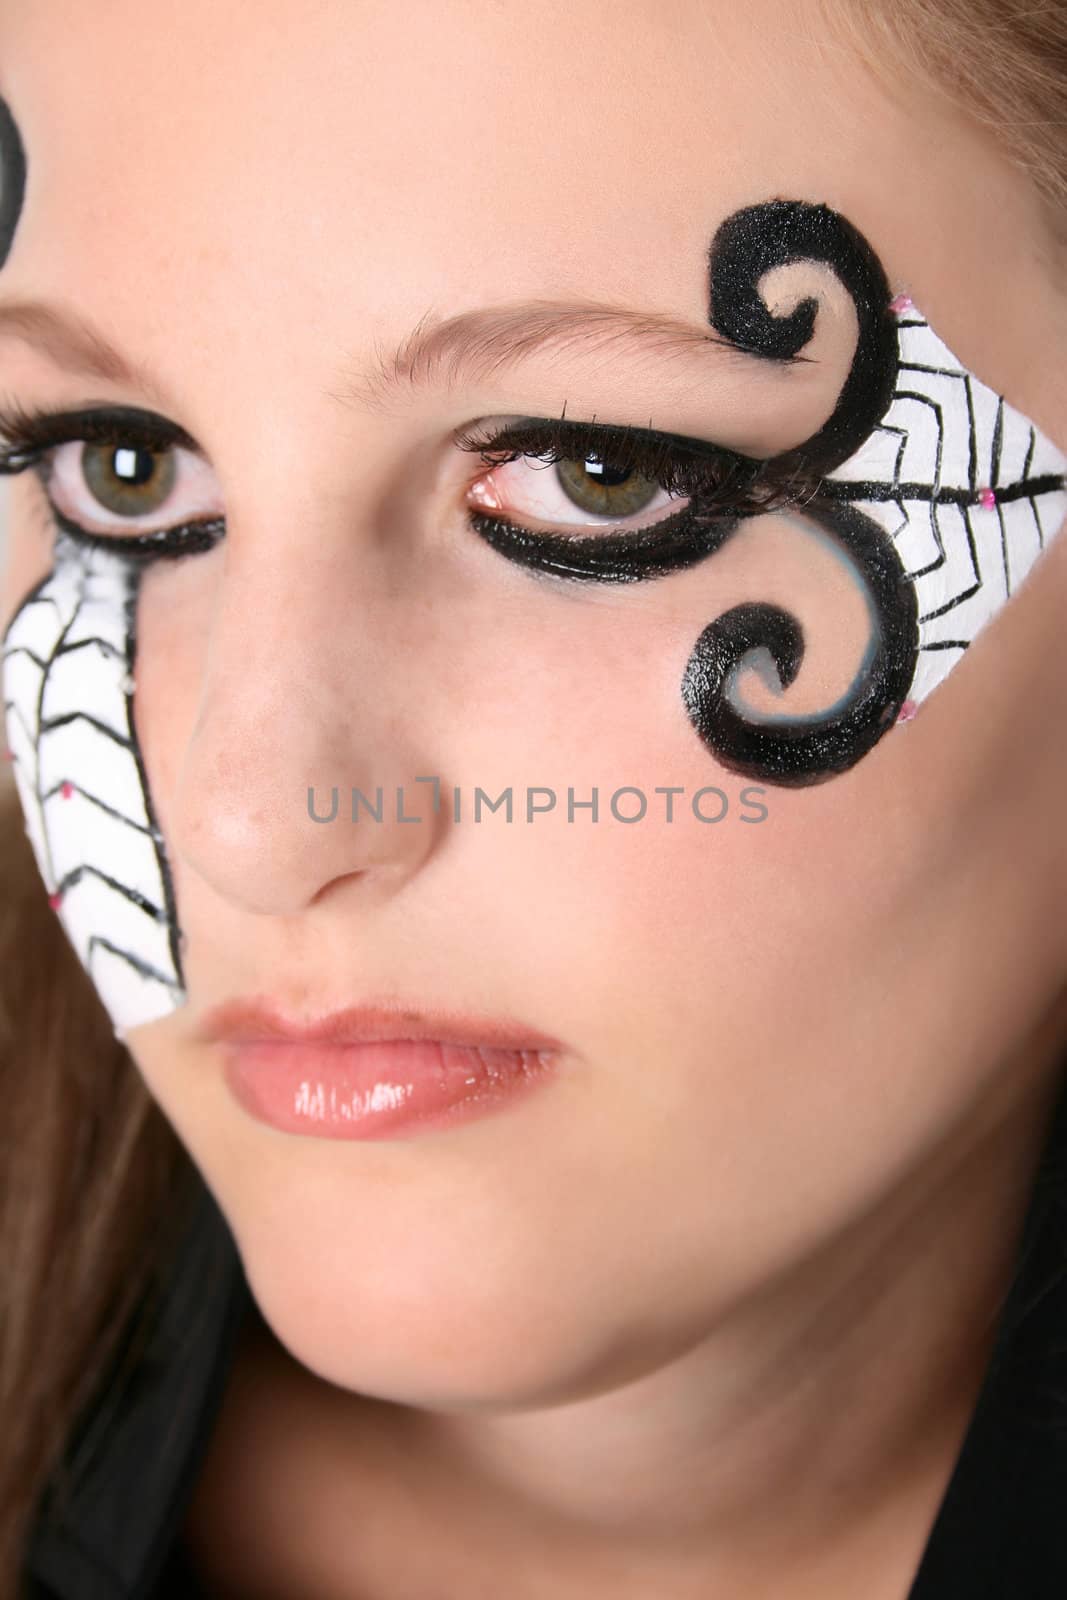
{"type": "Point", "coordinates": [134, 467]}
{"type": "Point", "coordinates": [609, 477]}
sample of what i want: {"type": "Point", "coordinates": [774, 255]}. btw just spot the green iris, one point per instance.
{"type": "Point", "coordinates": [603, 490]}
{"type": "Point", "coordinates": [129, 480]}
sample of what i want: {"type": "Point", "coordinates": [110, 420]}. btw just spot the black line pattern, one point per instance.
{"type": "Point", "coordinates": [65, 787]}
{"type": "Point", "coordinates": [99, 944]}
{"type": "Point", "coordinates": [929, 485]}
{"type": "Point", "coordinates": [944, 505]}
{"type": "Point", "coordinates": [970, 526]}
{"type": "Point", "coordinates": [85, 870]}
{"type": "Point", "coordinates": [68, 660]}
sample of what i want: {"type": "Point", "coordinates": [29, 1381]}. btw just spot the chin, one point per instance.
{"type": "Point", "coordinates": [449, 1339]}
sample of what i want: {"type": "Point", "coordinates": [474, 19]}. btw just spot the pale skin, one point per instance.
{"type": "Point", "coordinates": [709, 1314]}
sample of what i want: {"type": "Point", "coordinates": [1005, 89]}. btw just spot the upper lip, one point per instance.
{"type": "Point", "coordinates": [254, 1021]}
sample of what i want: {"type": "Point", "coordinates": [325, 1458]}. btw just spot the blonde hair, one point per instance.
{"type": "Point", "coordinates": [1003, 63]}
{"type": "Point", "coordinates": [93, 1182]}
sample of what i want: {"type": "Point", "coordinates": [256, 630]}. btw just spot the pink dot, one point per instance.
{"type": "Point", "coordinates": [9, 755]}
{"type": "Point", "coordinates": [988, 499]}
{"type": "Point", "coordinates": [55, 901]}
{"type": "Point", "coordinates": [66, 789]}
{"type": "Point", "coordinates": [907, 711]}
{"type": "Point", "coordinates": [900, 302]}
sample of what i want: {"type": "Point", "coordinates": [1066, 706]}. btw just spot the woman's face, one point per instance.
{"type": "Point", "coordinates": [768, 1021]}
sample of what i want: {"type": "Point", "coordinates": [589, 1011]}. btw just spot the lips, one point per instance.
{"type": "Point", "coordinates": [375, 1071]}
{"type": "Point", "coordinates": [257, 1021]}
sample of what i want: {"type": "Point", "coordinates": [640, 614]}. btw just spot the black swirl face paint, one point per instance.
{"type": "Point", "coordinates": [938, 496]}
{"type": "Point", "coordinates": [809, 749]}
{"type": "Point", "coordinates": [801, 750]}
{"type": "Point", "coordinates": [755, 241]}
{"type": "Point", "coordinates": [12, 179]}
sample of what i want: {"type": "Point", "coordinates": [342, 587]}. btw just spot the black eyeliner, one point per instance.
{"type": "Point", "coordinates": [26, 435]}
{"type": "Point", "coordinates": [722, 486]}
{"type": "Point", "coordinates": [184, 539]}
{"type": "Point", "coordinates": [667, 546]}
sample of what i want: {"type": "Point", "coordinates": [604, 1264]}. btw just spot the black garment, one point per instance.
{"type": "Point", "coordinates": [136, 1457]}
{"type": "Point", "coordinates": [1000, 1533]}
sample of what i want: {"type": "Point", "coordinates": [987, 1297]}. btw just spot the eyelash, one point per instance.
{"type": "Point", "coordinates": [718, 483]}
{"type": "Point", "coordinates": [29, 435]}
{"type": "Point", "coordinates": [721, 479]}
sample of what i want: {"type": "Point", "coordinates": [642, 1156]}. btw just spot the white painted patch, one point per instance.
{"type": "Point", "coordinates": [946, 438]}
{"type": "Point", "coordinates": [67, 657]}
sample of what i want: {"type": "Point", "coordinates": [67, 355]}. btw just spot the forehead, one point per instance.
{"type": "Point", "coordinates": [453, 132]}
{"type": "Point", "coordinates": [268, 166]}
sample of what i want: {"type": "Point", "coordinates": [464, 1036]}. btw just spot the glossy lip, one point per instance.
{"type": "Point", "coordinates": [374, 1071]}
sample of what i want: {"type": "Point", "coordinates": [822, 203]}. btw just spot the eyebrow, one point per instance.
{"type": "Point", "coordinates": [68, 339]}
{"type": "Point", "coordinates": [475, 346]}
{"type": "Point", "coordinates": [469, 347]}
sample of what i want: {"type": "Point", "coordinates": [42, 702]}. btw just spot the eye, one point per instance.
{"type": "Point", "coordinates": [553, 491]}
{"type": "Point", "coordinates": [607, 500]}
{"type": "Point", "coordinates": [118, 487]}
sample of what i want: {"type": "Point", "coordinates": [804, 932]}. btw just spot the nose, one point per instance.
{"type": "Point", "coordinates": [302, 762]}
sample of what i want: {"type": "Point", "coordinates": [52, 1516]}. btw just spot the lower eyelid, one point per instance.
{"type": "Point", "coordinates": [147, 544]}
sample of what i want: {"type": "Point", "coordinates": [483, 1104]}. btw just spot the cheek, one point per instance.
{"type": "Point", "coordinates": [801, 924]}
{"type": "Point", "coordinates": [174, 612]}
{"type": "Point", "coordinates": [27, 547]}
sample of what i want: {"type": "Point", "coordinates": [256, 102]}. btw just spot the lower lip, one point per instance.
{"type": "Point", "coordinates": [380, 1089]}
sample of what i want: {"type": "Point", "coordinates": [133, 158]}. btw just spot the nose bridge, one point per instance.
{"type": "Point", "coordinates": [301, 737]}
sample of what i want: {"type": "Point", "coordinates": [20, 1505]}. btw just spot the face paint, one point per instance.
{"type": "Point", "coordinates": [68, 664]}
{"type": "Point", "coordinates": [937, 495]}
{"type": "Point", "coordinates": [68, 648]}
{"type": "Point", "coordinates": [12, 179]}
